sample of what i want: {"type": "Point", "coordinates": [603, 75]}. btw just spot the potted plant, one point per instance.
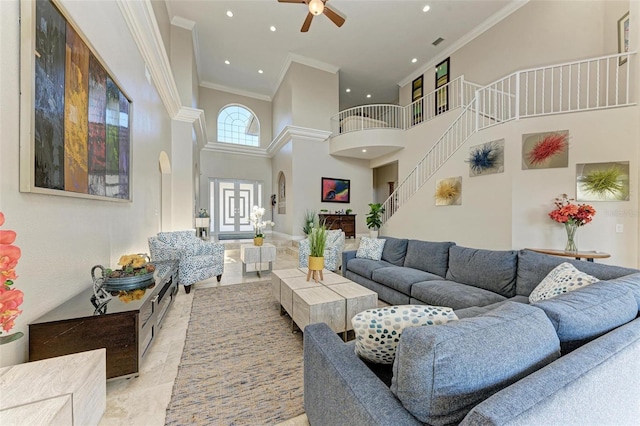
{"type": "Point", "coordinates": [374, 219]}
{"type": "Point", "coordinates": [317, 242]}
{"type": "Point", "coordinates": [310, 220]}
{"type": "Point", "coordinates": [258, 224]}
{"type": "Point", "coordinates": [348, 211]}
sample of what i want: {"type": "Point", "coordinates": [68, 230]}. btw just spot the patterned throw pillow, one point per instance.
{"type": "Point", "coordinates": [378, 330]}
{"type": "Point", "coordinates": [562, 279]}
{"type": "Point", "coordinates": [370, 248]}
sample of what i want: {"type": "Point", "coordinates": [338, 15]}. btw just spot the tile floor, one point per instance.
{"type": "Point", "coordinates": [143, 400]}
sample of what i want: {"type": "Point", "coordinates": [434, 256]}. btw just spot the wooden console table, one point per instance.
{"type": "Point", "coordinates": [588, 255]}
{"type": "Point", "coordinates": [346, 222]}
{"type": "Point", "coordinates": [125, 327]}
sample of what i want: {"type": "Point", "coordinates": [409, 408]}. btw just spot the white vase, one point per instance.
{"type": "Point", "coordinates": [373, 234]}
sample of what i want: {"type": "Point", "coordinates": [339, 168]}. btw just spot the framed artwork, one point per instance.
{"type": "Point", "coordinates": [449, 191]}
{"type": "Point", "coordinates": [623, 37]}
{"type": "Point", "coordinates": [335, 190]}
{"type": "Point", "coordinates": [442, 95]}
{"type": "Point", "coordinates": [602, 181]}
{"type": "Point", "coordinates": [546, 150]}
{"type": "Point", "coordinates": [416, 95]}
{"type": "Point", "coordinates": [487, 158]}
{"type": "Point", "coordinates": [75, 120]}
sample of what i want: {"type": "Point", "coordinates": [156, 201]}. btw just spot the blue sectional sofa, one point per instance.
{"type": "Point", "coordinates": [571, 359]}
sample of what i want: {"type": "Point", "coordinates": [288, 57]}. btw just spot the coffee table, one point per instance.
{"type": "Point", "coordinates": [333, 300]}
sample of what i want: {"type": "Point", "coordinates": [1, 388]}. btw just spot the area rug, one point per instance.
{"type": "Point", "coordinates": [241, 364]}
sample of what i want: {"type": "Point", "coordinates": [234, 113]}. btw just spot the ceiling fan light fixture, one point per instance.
{"type": "Point", "coordinates": [316, 7]}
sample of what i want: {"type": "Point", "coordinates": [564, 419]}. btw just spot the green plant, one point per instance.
{"type": "Point", "coordinates": [310, 220]}
{"type": "Point", "coordinates": [601, 182]}
{"type": "Point", "coordinates": [317, 240]}
{"type": "Point", "coordinates": [374, 218]}
{"type": "Point", "coordinates": [348, 211]}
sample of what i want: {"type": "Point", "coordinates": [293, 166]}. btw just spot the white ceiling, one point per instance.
{"type": "Point", "coordinates": [372, 50]}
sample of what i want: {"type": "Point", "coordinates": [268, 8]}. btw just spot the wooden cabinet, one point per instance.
{"type": "Point", "coordinates": [346, 222]}
{"type": "Point", "coordinates": [125, 327]}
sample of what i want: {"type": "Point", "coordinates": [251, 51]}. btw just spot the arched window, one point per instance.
{"type": "Point", "coordinates": [236, 124]}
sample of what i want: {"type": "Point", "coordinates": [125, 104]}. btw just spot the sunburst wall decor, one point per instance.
{"type": "Point", "coordinates": [602, 181]}
{"type": "Point", "coordinates": [449, 191]}
{"type": "Point", "coordinates": [545, 150]}
{"type": "Point", "coordinates": [486, 159]}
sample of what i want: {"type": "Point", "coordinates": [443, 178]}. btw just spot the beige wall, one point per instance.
{"type": "Point", "coordinates": [164, 24]}
{"type": "Point", "coordinates": [282, 105]}
{"type": "Point", "coordinates": [212, 101]}
{"type": "Point", "coordinates": [182, 63]}
{"type": "Point", "coordinates": [314, 96]}
{"type": "Point", "coordinates": [381, 177]}
{"type": "Point", "coordinates": [283, 162]}
{"type": "Point", "coordinates": [61, 238]}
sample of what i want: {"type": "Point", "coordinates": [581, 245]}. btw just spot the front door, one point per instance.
{"type": "Point", "coordinates": [231, 203]}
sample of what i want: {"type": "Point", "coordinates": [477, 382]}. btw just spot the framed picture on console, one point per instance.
{"type": "Point", "coordinates": [335, 190]}
{"type": "Point", "coordinates": [75, 119]}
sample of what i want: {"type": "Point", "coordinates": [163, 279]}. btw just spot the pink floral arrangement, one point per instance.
{"type": "Point", "coordinates": [573, 214]}
{"type": "Point", "coordinates": [10, 298]}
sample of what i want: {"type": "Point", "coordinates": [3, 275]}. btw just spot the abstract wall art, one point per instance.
{"type": "Point", "coordinates": [487, 158]}
{"type": "Point", "coordinates": [335, 190]}
{"type": "Point", "coordinates": [545, 150]}
{"type": "Point", "coordinates": [449, 191]}
{"type": "Point", "coordinates": [602, 181]}
{"type": "Point", "coordinates": [75, 119]}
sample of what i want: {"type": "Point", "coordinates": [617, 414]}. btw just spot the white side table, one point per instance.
{"type": "Point", "coordinates": [257, 255]}
{"type": "Point", "coordinates": [202, 227]}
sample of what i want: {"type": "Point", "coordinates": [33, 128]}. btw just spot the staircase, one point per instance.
{"type": "Point", "coordinates": [590, 84]}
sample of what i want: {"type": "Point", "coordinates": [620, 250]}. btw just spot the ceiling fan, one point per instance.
{"type": "Point", "coordinates": [316, 7]}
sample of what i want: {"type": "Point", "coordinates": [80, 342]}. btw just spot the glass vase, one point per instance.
{"type": "Point", "coordinates": [571, 234]}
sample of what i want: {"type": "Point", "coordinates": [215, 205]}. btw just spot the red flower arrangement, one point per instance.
{"type": "Point", "coordinates": [573, 214]}
{"type": "Point", "coordinates": [10, 298]}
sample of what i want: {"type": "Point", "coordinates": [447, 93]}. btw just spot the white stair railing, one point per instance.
{"type": "Point", "coordinates": [584, 85]}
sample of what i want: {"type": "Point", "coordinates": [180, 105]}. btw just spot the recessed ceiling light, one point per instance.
{"type": "Point", "coordinates": [348, 90]}
{"type": "Point", "coordinates": [414, 60]}
{"type": "Point", "coordinates": [426, 8]}
{"type": "Point", "coordinates": [226, 61]}
{"type": "Point", "coordinates": [229, 14]}
{"type": "Point", "coordinates": [368, 96]}
{"type": "Point", "coordinates": [364, 150]}
{"type": "Point", "coordinates": [272, 28]}
{"type": "Point", "coordinates": [260, 71]}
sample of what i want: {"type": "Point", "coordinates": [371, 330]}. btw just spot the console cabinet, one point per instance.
{"type": "Point", "coordinates": [126, 325]}
{"type": "Point", "coordinates": [346, 222]}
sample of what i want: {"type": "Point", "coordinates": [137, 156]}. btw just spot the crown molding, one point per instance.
{"type": "Point", "coordinates": [221, 88]}
{"type": "Point", "coordinates": [181, 22]}
{"type": "Point", "coordinates": [313, 63]}
{"type": "Point", "coordinates": [196, 117]}
{"type": "Point", "coordinates": [484, 26]}
{"type": "Point", "coordinates": [300, 133]}
{"type": "Point", "coordinates": [228, 148]}
{"type": "Point", "coordinates": [141, 21]}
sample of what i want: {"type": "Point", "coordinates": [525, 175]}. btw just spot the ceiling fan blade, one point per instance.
{"type": "Point", "coordinates": [307, 23]}
{"type": "Point", "coordinates": [334, 16]}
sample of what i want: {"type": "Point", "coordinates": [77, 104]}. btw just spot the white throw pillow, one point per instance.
{"type": "Point", "coordinates": [378, 330]}
{"type": "Point", "coordinates": [370, 248]}
{"type": "Point", "coordinates": [562, 279]}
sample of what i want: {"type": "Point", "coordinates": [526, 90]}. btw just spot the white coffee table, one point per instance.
{"type": "Point", "coordinates": [257, 255]}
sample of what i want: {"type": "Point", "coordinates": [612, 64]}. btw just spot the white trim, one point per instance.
{"type": "Point", "coordinates": [197, 118]}
{"type": "Point", "coordinates": [142, 23]}
{"type": "Point", "coordinates": [458, 44]}
{"type": "Point", "coordinates": [185, 23]}
{"type": "Point", "coordinates": [313, 63]}
{"type": "Point", "coordinates": [230, 148]}
{"type": "Point", "coordinates": [221, 88]}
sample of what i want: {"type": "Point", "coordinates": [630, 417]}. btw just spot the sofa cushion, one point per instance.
{"type": "Point", "coordinates": [401, 278]}
{"type": "Point", "coordinates": [533, 267]}
{"type": "Point", "coordinates": [395, 249]}
{"type": "Point", "coordinates": [589, 312]}
{"type": "Point", "coordinates": [428, 256]}
{"type": "Point", "coordinates": [562, 279]}
{"type": "Point", "coordinates": [365, 267]}
{"type": "Point", "coordinates": [632, 282]}
{"type": "Point", "coordinates": [440, 373]}
{"type": "Point", "coordinates": [370, 248]}
{"type": "Point", "coordinates": [378, 331]}
{"type": "Point", "coordinates": [491, 270]}
{"type": "Point", "coordinates": [453, 294]}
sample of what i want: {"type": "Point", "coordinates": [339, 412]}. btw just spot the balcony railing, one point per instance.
{"type": "Point", "coordinates": [453, 95]}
